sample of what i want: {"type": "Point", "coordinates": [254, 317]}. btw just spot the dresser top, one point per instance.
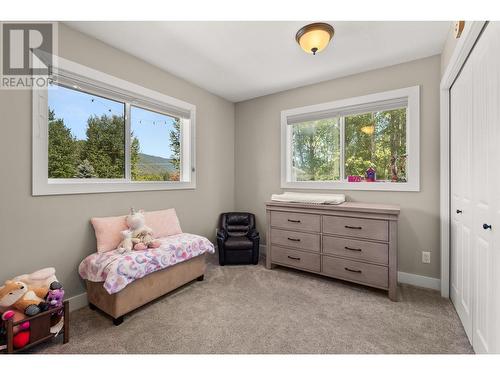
{"type": "Point", "coordinates": [346, 207]}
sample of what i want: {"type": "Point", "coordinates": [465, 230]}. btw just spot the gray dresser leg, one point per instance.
{"type": "Point", "coordinates": [393, 293]}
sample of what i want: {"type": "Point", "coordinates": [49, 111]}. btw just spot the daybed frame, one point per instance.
{"type": "Point", "coordinates": [144, 290]}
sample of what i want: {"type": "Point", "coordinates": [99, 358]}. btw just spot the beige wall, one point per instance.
{"type": "Point", "coordinates": [257, 145]}
{"type": "Point", "coordinates": [54, 230]}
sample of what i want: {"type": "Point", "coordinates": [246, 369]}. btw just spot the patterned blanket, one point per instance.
{"type": "Point", "coordinates": [118, 270]}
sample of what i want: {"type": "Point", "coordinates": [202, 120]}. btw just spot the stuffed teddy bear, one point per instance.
{"type": "Point", "coordinates": [19, 296]}
{"type": "Point", "coordinates": [126, 244]}
{"type": "Point", "coordinates": [142, 236]}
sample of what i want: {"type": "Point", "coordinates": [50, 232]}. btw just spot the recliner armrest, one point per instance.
{"type": "Point", "coordinates": [253, 234]}
{"type": "Point", "coordinates": [221, 234]}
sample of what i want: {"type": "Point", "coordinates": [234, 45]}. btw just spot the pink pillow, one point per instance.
{"type": "Point", "coordinates": [108, 232]}
{"type": "Point", "coordinates": [164, 223]}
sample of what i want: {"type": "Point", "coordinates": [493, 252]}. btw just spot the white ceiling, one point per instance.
{"type": "Point", "coordinates": [243, 60]}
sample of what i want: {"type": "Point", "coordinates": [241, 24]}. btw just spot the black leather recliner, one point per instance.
{"type": "Point", "coordinates": [237, 239]}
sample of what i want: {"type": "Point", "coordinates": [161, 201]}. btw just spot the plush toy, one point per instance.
{"type": "Point", "coordinates": [16, 294]}
{"type": "Point", "coordinates": [21, 331]}
{"type": "Point", "coordinates": [142, 236]}
{"type": "Point", "coordinates": [126, 244]}
{"type": "Point", "coordinates": [16, 316]}
{"type": "Point", "coordinates": [21, 339]}
{"type": "Point", "coordinates": [39, 279]}
{"type": "Point", "coordinates": [55, 299]}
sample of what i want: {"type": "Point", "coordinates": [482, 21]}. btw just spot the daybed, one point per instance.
{"type": "Point", "coordinates": [118, 283]}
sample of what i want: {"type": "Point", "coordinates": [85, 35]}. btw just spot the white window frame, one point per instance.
{"type": "Point", "coordinates": [95, 82]}
{"type": "Point", "coordinates": [355, 105]}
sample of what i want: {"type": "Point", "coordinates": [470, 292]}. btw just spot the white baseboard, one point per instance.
{"type": "Point", "coordinates": [78, 301]}
{"type": "Point", "coordinates": [403, 277]}
{"type": "Point", "coordinates": [419, 280]}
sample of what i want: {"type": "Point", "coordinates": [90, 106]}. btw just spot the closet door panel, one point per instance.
{"type": "Point", "coordinates": [461, 197]}
{"type": "Point", "coordinates": [495, 145]}
{"type": "Point", "coordinates": [486, 64]}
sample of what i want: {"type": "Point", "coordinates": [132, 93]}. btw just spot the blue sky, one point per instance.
{"type": "Point", "coordinates": [74, 107]}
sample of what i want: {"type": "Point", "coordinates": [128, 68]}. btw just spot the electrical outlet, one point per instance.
{"type": "Point", "coordinates": [426, 256]}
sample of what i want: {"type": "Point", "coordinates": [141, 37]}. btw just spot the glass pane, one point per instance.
{"type": "Point", "coordinates": [156, 147]}
{"type": "Point", "coordinates": [316, 150]}
{"type": "Point", "coordinates": [86, 135]}
{"type": "Point", "coordinates": [376, 140]}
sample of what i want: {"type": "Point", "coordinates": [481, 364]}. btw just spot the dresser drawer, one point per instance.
{"type": "Point", "coordinates": [300, 240]}
{"type": "Point", "coordinates": [356, 271]}
{"type": "Point", "coordinates": [296, 258]}
{"type": "Point", "coordinates": [354, 227]}
{"type": "Point", "coordinates": [296, 221]}
{"type": "Point", "coordinates": [359, 250]}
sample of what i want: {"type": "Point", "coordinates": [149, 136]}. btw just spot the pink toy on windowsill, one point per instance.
{"type": "Point", "coordinates": [353, 178]}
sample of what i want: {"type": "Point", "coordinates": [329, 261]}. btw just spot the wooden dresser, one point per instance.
{"type": "Point", "coordinates": [352, 241]}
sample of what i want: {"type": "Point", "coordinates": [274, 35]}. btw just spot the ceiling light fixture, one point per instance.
{"type": "Point", "coordinates": [314, 37]}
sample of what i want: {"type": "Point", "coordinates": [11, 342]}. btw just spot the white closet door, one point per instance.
{"type": "Point", "coordinates": [495, 189]}
{"type": "Point", "coordinates": [461, 104]}
{"type": "Point", "coordinates": [486, 65]}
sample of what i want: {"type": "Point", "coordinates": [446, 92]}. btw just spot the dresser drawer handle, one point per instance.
{"type": "Point", "coordinates": [294, 258]}
{"type": "Point", "coordinates": [294, 239]}
{"type": "Point", "coordinates": [350, 270]}
{"type": "Point", "coordinates": [293, 221]}
{"type": "Point", "coordinates": [351, 248]}
{"type": "Point", "coordinates": [350, 227]}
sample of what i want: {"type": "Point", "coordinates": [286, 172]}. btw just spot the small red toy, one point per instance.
{"type": "Point", "coordinates": [21, 339]}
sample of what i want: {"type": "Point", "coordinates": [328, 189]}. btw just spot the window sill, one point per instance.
{"type": "Point", "coordinates": [61, 187]}
{"type": "Point", "coordinates": [373, 186]}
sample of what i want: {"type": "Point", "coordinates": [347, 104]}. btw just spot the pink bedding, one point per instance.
{"type": "Point", "coordinates": [118, 270]}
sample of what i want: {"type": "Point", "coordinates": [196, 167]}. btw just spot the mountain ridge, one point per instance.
{"type": "Point", "coordinates": [151, 164]}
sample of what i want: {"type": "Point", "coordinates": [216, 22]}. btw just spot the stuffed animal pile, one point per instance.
{"type": "Point", "coordinates": [28, 295]}
{"type": "Point", "coordinates": [138, 236]}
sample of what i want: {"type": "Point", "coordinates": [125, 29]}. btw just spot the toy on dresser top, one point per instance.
{"type": "Point", "coordinates": [26, 296]}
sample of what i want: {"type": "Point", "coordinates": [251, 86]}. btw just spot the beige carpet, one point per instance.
{"type": "Point", "coordinates": [249, 309]}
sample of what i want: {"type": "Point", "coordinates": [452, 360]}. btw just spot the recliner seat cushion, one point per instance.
{"type": "Point", "coordinates": [238, 243]}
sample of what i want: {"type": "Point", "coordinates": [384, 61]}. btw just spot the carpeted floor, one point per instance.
{"type": "Point", "coordinates": [249, 309]}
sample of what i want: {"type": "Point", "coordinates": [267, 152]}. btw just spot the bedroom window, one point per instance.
{"type": "Point", "coordinates": [86, 135]}
{"type": "Point", "coordinates": [96, 133]}
{"type": "Point", "coordinates": [155, 146]}
{"type": "Point", "coordinates": [363, 143]}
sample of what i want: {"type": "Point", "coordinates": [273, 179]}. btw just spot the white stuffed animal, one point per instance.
{"type": "Point", "coordinates": [39, 279]}
{"type": "Point", "coordinates": [142, 236]}
{"type": "Point", "coordinates": [126, 244]}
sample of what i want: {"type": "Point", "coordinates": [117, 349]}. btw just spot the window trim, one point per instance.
{"type": "Point", "coordinates": [411, 94]}
{"type": "Point", "coordinates": [90, 80]}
